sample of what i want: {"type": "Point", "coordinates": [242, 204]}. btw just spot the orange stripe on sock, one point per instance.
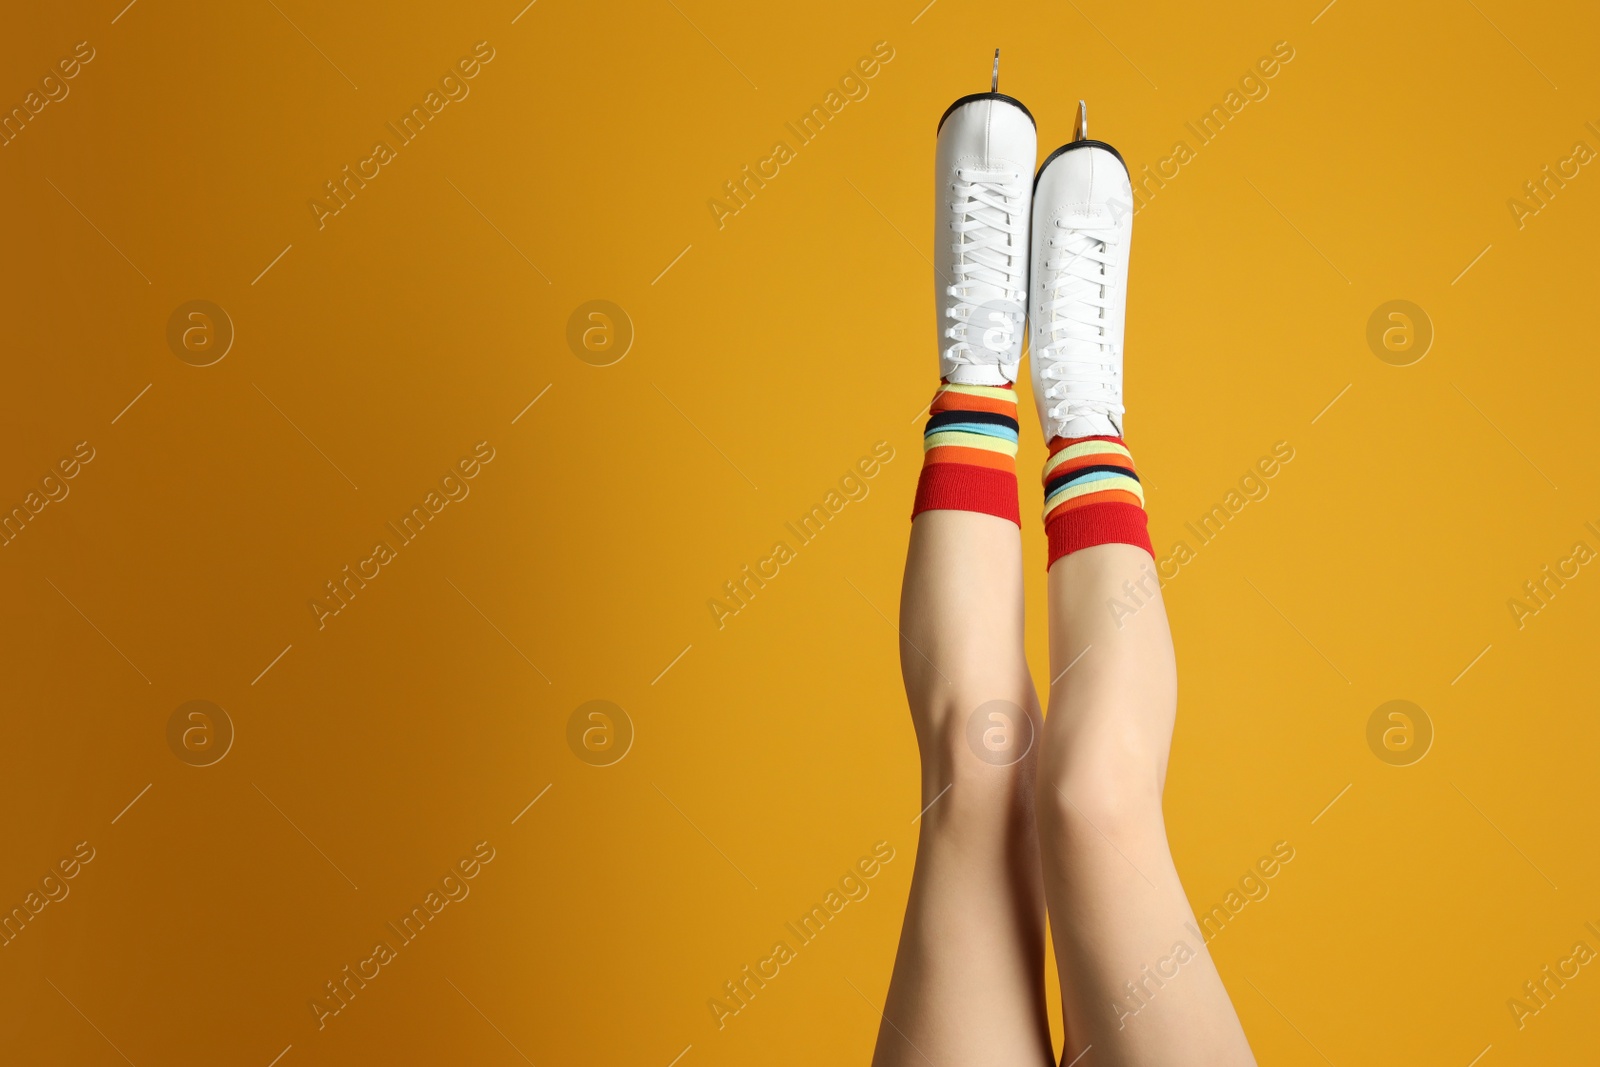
{"type": "Point", "coordinates": [1058, 443]}
{"type": "Point", "coordinates": [1105, 496]}
{"type": "Point", "coordinates": [966, 402]}
{"type": "Point", "coordinates": [972, 457]}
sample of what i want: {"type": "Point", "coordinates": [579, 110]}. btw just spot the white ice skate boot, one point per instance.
{"type": "Point", "coordinates": [987, 145]}
{"type": "Point", "coordinates": [1077, 304]}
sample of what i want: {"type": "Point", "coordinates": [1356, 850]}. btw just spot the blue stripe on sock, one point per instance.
{"type": "Point", "coordinates": [1004, 433]}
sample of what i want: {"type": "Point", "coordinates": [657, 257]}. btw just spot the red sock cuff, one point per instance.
{"type": "Point", "coordinates": [1098, 524]}
{"type": "Point", "coordinates": [959, 487]}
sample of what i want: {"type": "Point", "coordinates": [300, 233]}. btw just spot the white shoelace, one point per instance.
{"type": "Point", "coordinates": [991, 249]}
{"type": "Point", "coordinates": [1078, 359]}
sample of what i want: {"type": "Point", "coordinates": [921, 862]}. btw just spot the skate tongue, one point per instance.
{"type": "Point", "coordinates": [1089, 425]}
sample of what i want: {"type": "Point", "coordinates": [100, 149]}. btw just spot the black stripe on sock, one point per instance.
{"type": "Point", "coordinates": [1071, 476]}
{"type": "Point", "coordinates": [991, 418]}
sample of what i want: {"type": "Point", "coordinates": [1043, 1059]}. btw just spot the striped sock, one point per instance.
{"type": "Point", "coordinates": [1092, 496]}
{"type": "Point", "coordinates": [969, 452]}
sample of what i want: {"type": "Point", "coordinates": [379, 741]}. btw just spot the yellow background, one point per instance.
{"type": "Point", "coordinates": [774, 353]}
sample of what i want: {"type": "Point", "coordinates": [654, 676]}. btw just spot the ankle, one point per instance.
{"type": "Point", "coordinates": [1093, 496]}
{"type": "Point", "coordinates": [969, 451]}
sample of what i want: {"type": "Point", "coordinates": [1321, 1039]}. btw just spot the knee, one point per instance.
{"type": "Point", "coordinates": [976, 716]}
{"type": "Point", "coordinates": [1093, 793]}
{"type": "Point", "coordinates": [979, 755]}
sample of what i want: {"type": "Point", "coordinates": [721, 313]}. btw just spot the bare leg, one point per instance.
{"type": "Point", "coordinates": [968, 984]}
{"type": "Point", "coordinates": [1137, 982]}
